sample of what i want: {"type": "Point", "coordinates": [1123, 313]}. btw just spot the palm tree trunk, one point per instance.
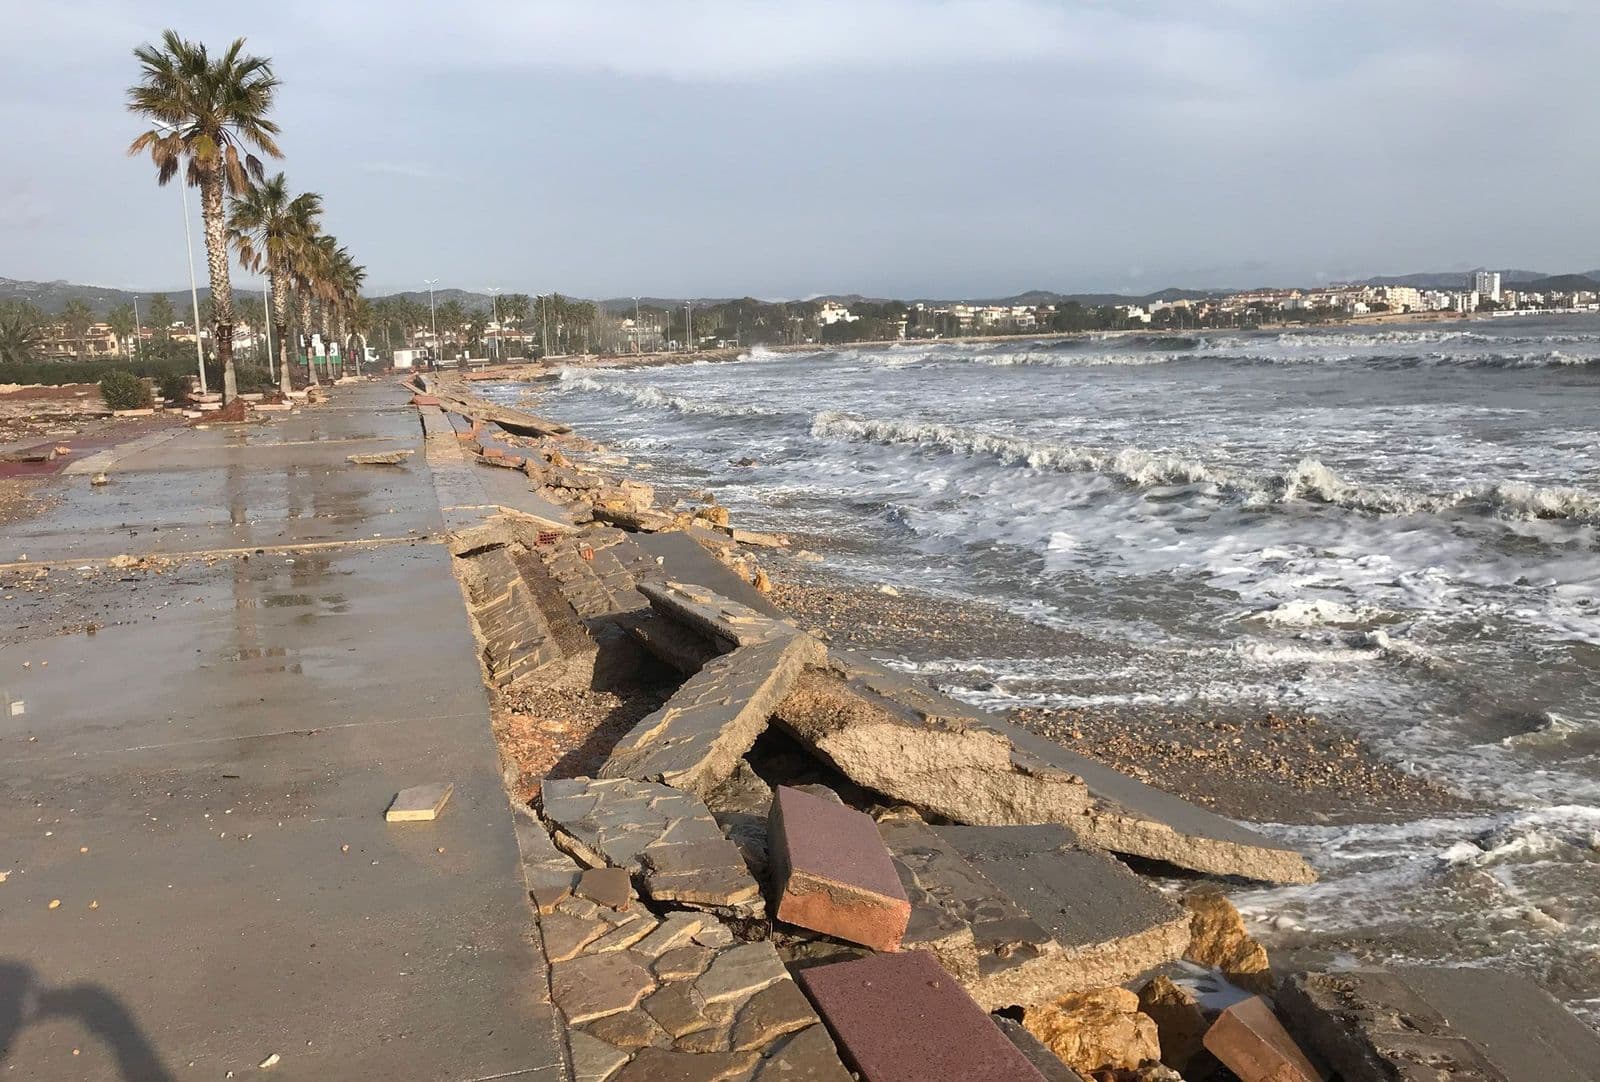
{"type": "Point", "coordinates": [280, 320]}
{"type": "Point", "coordinates": [214, 219]}
{"type": "Point", "coordinates": [305, 332]}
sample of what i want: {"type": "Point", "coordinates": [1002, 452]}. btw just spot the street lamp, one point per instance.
{"type": "Point", "coordinates": [194, 288]}
{"type": "Point", "coordinates": [138, 331]}
{"type": "Point", "coordinates": [636, 326]}
{"type": "Point", "coordinates": [494, 310]}
{"type": "Point", "coordinates": [688, 326]}
{"type": "Point", "coordinates": [433, 317]}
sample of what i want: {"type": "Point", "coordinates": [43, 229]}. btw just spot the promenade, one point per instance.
{"type": "Point", "coordinates": [219, 668]}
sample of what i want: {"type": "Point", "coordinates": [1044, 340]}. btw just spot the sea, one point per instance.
{"type": "Point", "coordinates": [1395, 528]}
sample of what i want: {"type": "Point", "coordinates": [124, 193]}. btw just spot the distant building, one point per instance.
{"type": "Point", "coordinates": [833, 312]}
{"type": "Point", "coordinates": [1401, 298]}
{"type": "Point", "coordinates": [1486, 283]}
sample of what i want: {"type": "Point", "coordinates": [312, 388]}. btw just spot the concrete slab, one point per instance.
{"type": "Point", "coordinates": [1409, 1023]}
{"type": "Point", "coordinates": [203, 792]}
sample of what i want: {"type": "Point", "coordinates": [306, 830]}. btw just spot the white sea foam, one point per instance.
{"type": "Point", "coordinates": [656, 398]}
{"type": "Point", "coordinates": [1553, 729]}
{"type": "Point", "coordinates": [1313, 613]}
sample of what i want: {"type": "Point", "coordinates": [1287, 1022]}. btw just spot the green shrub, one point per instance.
{"type": "Point", "coordinates": [123, 390]}
{"type": "Point", "coordinates": [174, 386]}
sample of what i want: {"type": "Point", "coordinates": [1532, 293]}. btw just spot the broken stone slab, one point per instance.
{"type": "Point", "coordinates": [664, 837]}
{"type": "Point", "coordinates": [807, 1056]}
{"type": "Point", "coordinates": [731, 622]}
{"type": "Point", "coordinates": [550, 874]}
{"type": "Point", "coordinates": [832, 873]}
{"type": "Point", "coordinates": [697, 738]}
{"type": "Point", "coordinates": [951, 767]}
{"type": "Point", "coordinates": [1044, 1060]}
{"type": "Point", "coordinates": [1250, 1041]}
{"type": "Point", "coordinates": [1120, 813]}
{"type": "Point", "coordinates": [593, 1060]}
{"type": "Point", "coordinates": [380, 458]}
{"type": "Point", "coordinates": [609, 887]}
{"type": "Point", "coordinates": [901, 1018]}
{"type": "Point", "coordinates": [665, 1065]}
{"type": "Point", "coordinates": [420, 803]}
{"type": "Point", "coordinates": [1414, 1023]}
{"type": "Point", "coordinates": [1109, 923]}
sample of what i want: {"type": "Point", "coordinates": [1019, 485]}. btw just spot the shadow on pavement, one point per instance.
{"type": "Point", "coordinates": [25, 1000]}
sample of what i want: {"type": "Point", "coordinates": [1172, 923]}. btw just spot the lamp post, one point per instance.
{"type": "Point", "coordinates": [433, 316]}
{"type": "Point", "coordinates": [138, 332]}
{"type": "Point", "coordinates": [194, 288]}
{"type": "Point", "coordinates": [636, 326]}
{"type": "Point", "coordinates": [494, 311]}
{"type": "Point", "coordinates": [688, 326]}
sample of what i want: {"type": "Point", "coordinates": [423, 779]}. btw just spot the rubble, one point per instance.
{"type": "Point", "coordinates": [1180, 1022]}
{"type": "Point", "coordinates": [1095, 1030]}
{"type": "Point", "coordinates": [1250, 1041]}
{"type": "Point", "coordinates": [1218, 939]}
{"type": "Point", "coordinates": [900, 1018]}
{"type": "Point", "coordinates": [664, 837]}
{"type": "Point", "coordinates": [381, 458]}
{"type": "Point", "coordinates": [420, 803]}
{"type": "Point", "coordinates": [832, 873]}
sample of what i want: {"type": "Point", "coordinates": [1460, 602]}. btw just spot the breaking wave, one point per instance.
{"type": "Point", "coordinates": [656, 398]}
{"type": "Point", "coordinates": [1309, 481]}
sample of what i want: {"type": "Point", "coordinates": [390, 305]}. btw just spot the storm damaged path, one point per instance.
{"type": "Point", "coordinates": [197, 875]}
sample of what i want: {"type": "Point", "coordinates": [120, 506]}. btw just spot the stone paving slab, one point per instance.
{"type": "Point", "coordinates": [664, 836]}
{"type": "Point", "coordinates": [1423, 1024]}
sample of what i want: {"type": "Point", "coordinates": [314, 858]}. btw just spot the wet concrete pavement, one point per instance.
{"type": "Point", "coordinates": [217, 742]}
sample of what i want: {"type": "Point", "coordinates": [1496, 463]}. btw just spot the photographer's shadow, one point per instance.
{"type": "Point", "coordinates": [25, 1000]}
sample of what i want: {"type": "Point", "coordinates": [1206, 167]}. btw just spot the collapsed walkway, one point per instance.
{"type": "Point", "coordinates": [219, 668]}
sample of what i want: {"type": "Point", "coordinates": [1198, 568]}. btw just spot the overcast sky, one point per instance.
{"type": "Point", "coordinates": [888, 147]}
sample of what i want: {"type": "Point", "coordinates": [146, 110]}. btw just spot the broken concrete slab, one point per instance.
{"type": "Point", "coordinates": [1044, 1060]}
{"type": "Point", "coordinates": [420, 803]}
{"type": "Point", "coordinates": [1119, 813]}
{"type": "Point", "coordinates": [951, 767]}
{"type": "Point", "coordinates": [1109, 923]}
{"type": "Point", "coordinates": [730, 622]}
{"type": "Point", "coordinates": [1414, 1023]}
{"type": "Point", "coordinates": [696, 739]}
{"type": "Point", "coordinates": [901, 1018]}
{"type": "Point", "coordinates": [381, 458]}
{"type": "Point", "coordinates": [549, 874]}
{"type": "Point", "coordinates": [832, 873]}
{"type": "Point", "coordinates": [1250, 1041]}
{"type": "Point", "coordinates": [665, 837]}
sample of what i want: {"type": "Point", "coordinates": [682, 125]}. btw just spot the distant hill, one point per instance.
{"type": "Point", "coordinates": [52, 297]}
{"type": "Point", "coordinates": [1562, 283]}
{"type": "Point", "coordinates": [1450, 279]}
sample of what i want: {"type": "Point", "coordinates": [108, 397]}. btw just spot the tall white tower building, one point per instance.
{"type": "Point", "coordinates": [1487, 284]}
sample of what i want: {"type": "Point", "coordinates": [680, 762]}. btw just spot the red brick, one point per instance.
{"type": "Point", "coordinates": [832, 873]}
{"type": "Point", "coordinates": [902, 1018]}
{"type": "Point", "coordinates": [1252, 1043]}
{"type": "Point", "coordinates": [424, 400]}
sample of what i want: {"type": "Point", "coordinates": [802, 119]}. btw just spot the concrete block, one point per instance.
{"type": "Point", "coordinates": [419, 803]}
{"type": "Point", "coordinates": [901, 1018]}
{"type": "Point", "coordinates": [1250, 1041]}
{"type": "Point", "coordinates": [832, 873]}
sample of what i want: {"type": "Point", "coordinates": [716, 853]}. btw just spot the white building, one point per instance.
{"type": "Point", "coordinates": [833, 312]}
{"type": "Point", "coordinates": [1487, 283]}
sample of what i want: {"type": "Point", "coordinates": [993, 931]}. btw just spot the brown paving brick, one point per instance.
{"type": "Point", "coordinates": [832, 873]}
{"type": "Point", "coordinates": [902, 1018]}
{"type": "Point", "coordinates": [1252, 1043]}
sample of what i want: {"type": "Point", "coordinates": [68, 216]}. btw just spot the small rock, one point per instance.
{"type": "Point", "coordinates": [270, 1061]}
{"type": "Point", "coordinates": [1092, 1031]}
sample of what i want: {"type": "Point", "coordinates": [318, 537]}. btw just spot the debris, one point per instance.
{"type": "Point", "coordinates": [1217, 938]}
{"type": "Point", "coordinates": [381, 458]}
{"type": "Point", "coordinates": [419, 803]}
{"type": "Point", "coordinates": [55, 903]}
{"type": "Point", "coordinates": [271, 1061]}
{"type": "Point", "coordinates": [832, 873]}
{"type": "Point", "coordinates": [99, 479]}
{"type": "Point", "coordinates": [1179, 1020]}
{"type": "Point", "coordinates": [1252, 1043]}
{"type": "Point", "coordinates": [1092, 1031]}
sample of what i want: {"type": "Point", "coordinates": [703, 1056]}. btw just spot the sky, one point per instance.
{"type": "Point", "coordinates": [942, 148]}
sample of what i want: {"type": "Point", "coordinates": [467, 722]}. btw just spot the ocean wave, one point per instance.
{"type": "Point", "coordinates": [655, 398]}
{"type": "Point", "coordinates": [1553, 730]}
{"type": "Point", "coordinates": [1309, 481]}
{"type": "Point", "coordinates": [1565, 833]}
{"type": "Point", "coordinates": [1314, 613]}
{"type": "Point", "coordinates": [1074, 360]}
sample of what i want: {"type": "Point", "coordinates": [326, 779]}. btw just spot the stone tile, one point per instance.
{"type": "Point", "coordinates": [773, 1012]}
{"type": "Point", "coordinates": [808, 1056]}
{"type": "Point", "coordinates": [715, 936]}
{"type": "Point", "coordinates": [677, 1009]}
{"type": "Point", "coordinates": [566, 936]}
{"type": "Point", "coordinates": [674, 931]}
{"type": "Point", "coordinates": [593, 1060]}
{"type": "Point", "coordinates": [657, 1065]}
{"type": "Point", "coordinates": [1252, 1043]}
{"type": "Point", "coordinates": [683, 963]}
{"type": "Point", "coordinates": [665, 837]}
{"type": "Point", "coordinates": [901, 1018]}
{"type": "Point", "coordinates": [832, 873]}
{"type": "Point", "coordinates": [740, 972]}
{"type": "Point", "coordinates": [623, 935]}
{"type": "Point", "coordinates": [711, 1039]}
{"type": "Point", "coordinates": [629, 1029]}
{"type": "Point", "coordinates": [595, 985]}
{"type": "Point", "coordinates": [608, 887]}
{"type": "Point", "coordinates": [420, 803]}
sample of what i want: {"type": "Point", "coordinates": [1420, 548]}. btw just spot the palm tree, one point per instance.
{"type": "Point", "coordinates": [269, 229]}
{"type": "Point", "coordinates": [209, 112]}
{"type": "Point", "coordinates": [78, 317]}
{"type": "Point", "coordinates": [120, 320]}
{"type": "Point", "coordinates": [20, 336]}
